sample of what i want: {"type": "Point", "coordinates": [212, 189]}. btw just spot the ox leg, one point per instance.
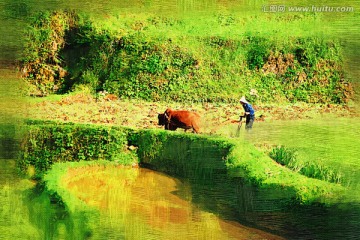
{"type": "Point", "coordinates": [172, 127]}
{"type": "Point", "coordinates": [196, 128]}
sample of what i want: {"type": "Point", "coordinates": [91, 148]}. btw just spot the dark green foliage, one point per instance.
{"type": "Point", "coordinates": [308, 51]}
{"type": "Point", "coordinates": [45, 144]}
{"type": "Point", "coordinates": [16, 9]}
{"type": "Point", "coordinates": [133, 67]}
{"type": "Point", "coordinates": [258, 52]}
{"type": "Point", "coordinates": [150, 145]}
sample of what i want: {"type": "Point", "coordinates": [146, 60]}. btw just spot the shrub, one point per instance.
{"type": "Point", "coordinates": [46, 37]}
{"type": "Point", "coordinates": [90, 79]}
{"type": "Point", "coordinates": [259, 51]}
{"type": "Point", "coordinates": [47, 143]}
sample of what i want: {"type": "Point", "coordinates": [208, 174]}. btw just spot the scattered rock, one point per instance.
{"type": "Point", "coordinates": [135, 165]}
{"type": "Point", "coordinates": [110, 97]}
{"type": "Point", "coordinates": [132, 148]}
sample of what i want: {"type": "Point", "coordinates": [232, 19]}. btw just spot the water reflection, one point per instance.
{"type": "Point", "coordinates": [143, 204]}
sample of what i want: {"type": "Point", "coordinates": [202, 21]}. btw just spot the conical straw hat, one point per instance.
{"type": "Point", "coordinates": [242, 99]}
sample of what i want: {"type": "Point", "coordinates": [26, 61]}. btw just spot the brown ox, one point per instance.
{"type": "Point", "coordinates": [173, 119]}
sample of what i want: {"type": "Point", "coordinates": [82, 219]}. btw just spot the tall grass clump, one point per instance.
{"type": "Point", "coordinates": [288, 157]}
{"type": "Point", "coordinates": [283, 155]}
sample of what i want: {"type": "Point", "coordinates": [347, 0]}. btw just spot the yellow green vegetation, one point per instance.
{"type": "Point", "coordinates": [133, 58]}
{"type": "Point", "coordinates": [45, 143]}
{"type": "Point", "coordinates": [14, 212]}
{"type": "Point", "coordinates": [148, 62]}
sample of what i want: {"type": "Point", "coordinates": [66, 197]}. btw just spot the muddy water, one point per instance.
{"type": "Point", "coordinates": [144, 204]}
{"type": "Point", "coordinates": [128, 203]}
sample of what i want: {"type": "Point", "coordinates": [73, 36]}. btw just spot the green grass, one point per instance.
{"type": "Point", "coordinates": [288, 157]}
{"type": "Point", "coordinates": [330, 142]}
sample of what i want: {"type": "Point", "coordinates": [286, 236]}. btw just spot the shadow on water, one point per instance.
{"type": "Point", "coordinates": [270, 210]}
{"type": "Point", "coordinates": [8, 142]}
{"type": "Point", "coordinates": [309, 222]}
{"type": "Point", "coordinates": [235, 199]}
{"type": "Point", "coordinates": [144, 203]}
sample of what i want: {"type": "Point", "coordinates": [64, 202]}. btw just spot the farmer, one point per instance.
{"type": "Point", "coordinates": [249, 113]}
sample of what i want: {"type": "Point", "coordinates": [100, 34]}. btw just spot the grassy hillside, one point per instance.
{"type": "Point", "coordinates": [216, 58]}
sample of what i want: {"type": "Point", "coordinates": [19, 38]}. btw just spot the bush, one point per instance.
{"type": "Point", "coordinates": [90, 79]}
{"type": "Point", "coordinates": [47, 143]}
{"type": "Point", "coordinates": [46, 37]}
{"type": "Point", "coordinates": [258, 53]}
